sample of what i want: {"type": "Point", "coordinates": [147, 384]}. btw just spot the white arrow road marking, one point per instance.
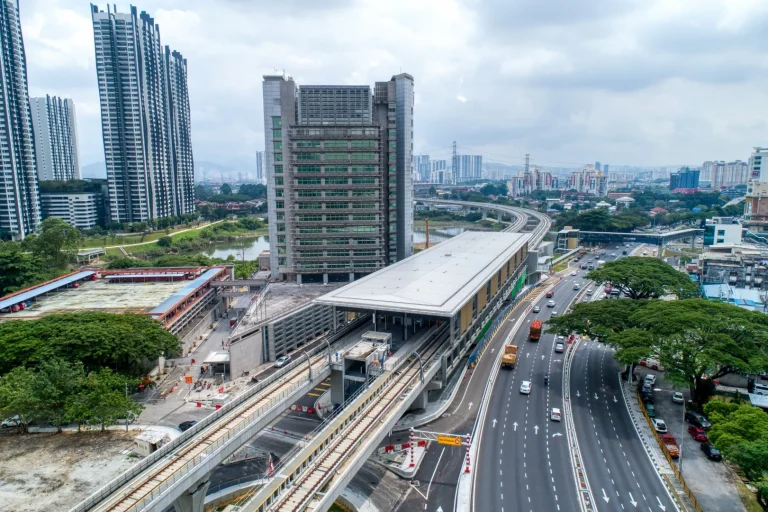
{"type": "Point", "coordinates": [536, 428]}
{"type": "Point", "coordinates": [632, 500]}
{"type": "Point", "coordinates": [527, 354]}
{"type": "Point", "coordinates": [578, 394]}
{"type": "Point", "coordinates": [614, 399]}
{"type": "Point", "coordinates": [439, 509]}
{"type": "Point", "coordinates": [605, 497]}
{"type": "Point", "coordinates": [492, 350]}
{"type": "Point", "coordinates": [595, 396]}
{"type": "Point", "coordinates": [494, 422]}
{"type": "Point", "coordinates": [542, 357]}
{"type": "Point", "coordinates": [557, 434]}
{"type": "Point", "coordinates": [662, 507]}
{"type": "Point", "coordinates": [515, 425]}
{"type": "Point", "coordinates": [470, 405]}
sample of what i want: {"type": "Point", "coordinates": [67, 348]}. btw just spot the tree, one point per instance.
{"type": "Point", "coordinates": [250, 223]}
{"type": "Point", "coordinates": [697, 341]}
{"type": "Point", "coordinates": [165, 241]}
{"type": "Point", "coordinates": [432, 192]}
{"type": "Point", "coordinates": [56, 381]}
{"type": "Point", "coordinates": [257, 191]}
{"type": "Point", "coordinates": [17, 395]}
{"type": "Point", "coordinates": [22, 269]}
{"type": "Point", "coordinates": [225, 189]}
{"type": "Point", "coordinates": [124, 342]}
{"type": "Point", "coordinates": [202, 193]}
{"type": "Point", "coordinates": [57, 241]}
{"type": "Point", "coordinates": [644, 278]}
{"type": "Point", "coordinates": [102, 400]}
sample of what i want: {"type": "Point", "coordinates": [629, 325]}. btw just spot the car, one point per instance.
{"type": "Point", "coordinates": [559, 346]}
{"type": "Point", "coordinates": [659, 425]}
{"type": "Point", "coordinates": [697, 419]}
{"type": "Point", "coordinates": [647, 388]}
{"type": "Point", "coordinates": [575, 286]}
{"type": "Point", "coordinates": [555, 414]}
{"type": "Point", "coordinates": [536, 309]}
{"type": "Point", "coordinates": [647, 398]}
{"type": "Point", "coordinates": [623, 253]}
{"type": "Point", "coordinates": [589, 291]}
{"type": "Point", "coordinates": [574, 273]}
{"type": "Point", "coordinates": [585, 299]}
{"type": "Point", "coordinates": [591, 267]}
{"type": "Point", "coordinates": [583, 267]}
{"type": "Point", "coordinates": [12, 422]}
{"type": "Point", "coordinates": [678, 397]}
{"type": "Point", "coordinates": [550, 294]}
{"type": "Point", "coordinates": [697, 433]}
{"type": "Point", "coordinates": [650, 378]}
{"type": "Point", "coordinates": [711, 452]}
{"type": "Point", "coordinates": [613, 254]}
{"type": "Point", "coordinates": [550, 303]}
{"type": "Point", "coordinates": [651, 410]}
{"type": "Point", "coordinates": [554, 314]}
{"type": "Point", "coordinates": [525, 387]}
{"type": "Point", "coordinates": [282, 361]}
{"type": "Point", "coordinates": [186, 425]}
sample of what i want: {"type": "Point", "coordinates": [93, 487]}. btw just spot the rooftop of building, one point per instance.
{"type": "Point", "coordinates": [437, 281]}
{"type": "Point", "coordinates": [748, 298]}
{"type": "Point", "coordinates": [278, 299]}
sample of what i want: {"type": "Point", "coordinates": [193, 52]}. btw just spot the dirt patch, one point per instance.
{"type": "Point", "coordinates": [57, 471]}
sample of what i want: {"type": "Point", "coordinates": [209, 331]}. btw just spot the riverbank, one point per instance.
{"type": "Point", "coordinates": [130, 239]}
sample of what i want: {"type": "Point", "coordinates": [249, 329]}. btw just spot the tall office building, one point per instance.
{"type": "Point", "coordinates": [339, 170]}
{"type": "Point", "coordinates": [422, 167]}
{"type": "Point", "coordinates": [55, 128]}
{"type": "Point", "coordinates": [597, 166]}
{"type": "Point", "coordinates": [19, 196]}
{"type": "Point", "coordinates": [469, 167]}
{"type": "Point", "coordinates": [684, 180]}
{"type": "Point", "coordinates": [145, 118]}
{"type": "Point", "coordinates": [260, 167]}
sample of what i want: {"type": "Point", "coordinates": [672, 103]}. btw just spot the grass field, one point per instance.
{"type": "Point", "coordinates": [136, 238]}
{"type": "Point", "coordinates": [189, 235]}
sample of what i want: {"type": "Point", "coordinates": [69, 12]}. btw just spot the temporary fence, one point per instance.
{"type": "Point", "coordinates": [679, 475]}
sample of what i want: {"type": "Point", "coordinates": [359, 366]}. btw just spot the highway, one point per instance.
{"type": "Point", "coordinates": [523, 459]}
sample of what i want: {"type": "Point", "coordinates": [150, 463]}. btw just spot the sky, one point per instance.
{"type": "Point", "coordinates": [626, 82]}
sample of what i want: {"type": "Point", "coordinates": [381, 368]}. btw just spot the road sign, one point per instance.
{"type": "Point", "coordinates": [188, 379]}
{"type": "Point", "coordinates": [449, 440]}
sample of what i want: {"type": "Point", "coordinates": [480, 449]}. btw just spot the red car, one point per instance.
{"type": "Point", "coordinates": [697, 433]}
{"type": "Point", "coordinates": [550, 294]}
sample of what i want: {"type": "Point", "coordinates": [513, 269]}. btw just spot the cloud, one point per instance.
{"type": "Point", "coordinates": [624, 81]}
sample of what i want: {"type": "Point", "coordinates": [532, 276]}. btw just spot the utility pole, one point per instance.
{"type": "Point", "coordinates": [455, 164]}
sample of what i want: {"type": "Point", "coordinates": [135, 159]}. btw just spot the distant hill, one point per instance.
{"type": "Point", "coordinates": [95, 170]}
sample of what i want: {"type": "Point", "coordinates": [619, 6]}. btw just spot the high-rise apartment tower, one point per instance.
{"type": "Point", "coordinates": [19, 197]}
{"type": "Point", "coordinates": [145, 118]}
{"type": "Point", "coordinates": [339, 171]}
{"type": "Point", "coordinates": [55, 128]}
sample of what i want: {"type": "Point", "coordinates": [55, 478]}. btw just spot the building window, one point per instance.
{"type": "Point", "coordinates": [336, 144]}
{"type": "Point", "coordinates": [720, 232]}
{"type": "Point", "coordinates": [281, 228]}
{"type": "Point", "coordinates": [364, 205]}
{"type": "Point", "coordinates": [363, 168]}
{"type": "Point", "coordinates": [277, 122]}
{"type": "Point", "coordinates": [277, 134]}
{"type": "Point", "coordinates": [309, 193]}
{"type": "Point", "coordinates": [335, 205]}
{"type": "Point", "coordinates": [279, 204]}
{"type": "Point", "coordinates": [310, 206]}
{"type": "Point", "coordinates": [363, 180]}
{"type": "Point", "coordinates": [278, 181]}
{"type": "Point", "coordinates": [282, 261]}
{"type": "Point", "coordinates": [363, 143]}
{"type": "Point", "coordinates": [308, 144]}
{"type": "Point", "coordinates": [308, 181]}
{"type": "Point", "coordinates": [278, 169]}
{"type": "Point", "coordinates": [281, 239]}
{"type": "Point", "coordinates": [336, 181]}
{"type": "Point", "coordinates": [364, 216]}
{"type": "Point", "coordinates": [308, 169]}
{"type": "Point", "coordinates": [336, 193]}
{"type": "Point", "coordinates": [279, 192]}
{"type": "Point", "coordinates": [336, 156]}
{"type": "Point", "coordinates": [363, 193]}
{"type": "Point", "coordinates": [307, 156]}
{"type": "Point", "coordinates": [278, 157]}
{"type": "Point", "coordinates": [278, 144]}
{"type": "Point", "coordinates": [310, 218]}
{"type": "Point", "coordinates": [474, 305]}
{"type": "Point", "coordinates": [280, 216]}
{"type": "Point", "coordinates": [363, 156]}
{"type": "Point", "coordinates": [336, 168]}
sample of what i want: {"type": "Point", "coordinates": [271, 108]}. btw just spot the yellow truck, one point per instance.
{"type": "Point", "coordinates": [510, 356]}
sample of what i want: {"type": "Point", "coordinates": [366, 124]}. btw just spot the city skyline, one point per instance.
{"type": "Point", "coordinates": [598, 118]}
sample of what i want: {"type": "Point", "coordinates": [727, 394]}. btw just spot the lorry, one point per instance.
{"type": "Point", "coordinates": [670, 444]}
{"type": "Point", "coordinates": [535, 333]}
{"type": "Point", "coordinates": [509, 359]}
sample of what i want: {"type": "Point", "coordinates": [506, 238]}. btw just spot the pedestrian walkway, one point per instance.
{"type": "Point", "coordinates": [653, 449]}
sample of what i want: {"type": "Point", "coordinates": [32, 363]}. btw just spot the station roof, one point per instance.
{"type": "Point", "coordinates": [437, 281]}
{"type": "Point", "coordinates": [40, 290]}
{"type": "Point", "coordinates": [186, 290]}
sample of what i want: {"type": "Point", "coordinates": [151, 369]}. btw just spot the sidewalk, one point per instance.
{"type": "Point", "coordinates": [652, 447]}
{"type": "Point", "coordinates": [173, 433]}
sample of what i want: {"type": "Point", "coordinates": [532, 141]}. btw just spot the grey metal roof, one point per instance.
{"type": "Point", "coordinates": [136, 276]}
{"type": "Point", "coordinates": [438, 281]}
{"type": "Point", "coordinates": [182, 294]}
{"type": "Point", "coordinates": [31, 294]}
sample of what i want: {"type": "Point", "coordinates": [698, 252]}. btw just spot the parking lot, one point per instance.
{"type": "Point", "coordinates": [711, 482]}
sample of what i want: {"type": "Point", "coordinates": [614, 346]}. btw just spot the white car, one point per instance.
{"type": "Point", "coordinates": [678, 398]}
{"type": "Point", "coordinates": [536, 309]}
{"type": "Point", "coordinates": [554, 314]}
{"type": "Point", "coordinates": [525, 387]}
{"type": "Point", "coordinates": [550, 303]}
{"type": "Point", "coordinates": [659, 425]}
{"type": "Point", "coordinates": [282, 361]}
{"type": "Point", "coordinates": [573, 273]}
{"type": "Point", "coordinates": [650, 378]}
{"type": "Point", "coordinates": [589, 291]}
{"type": "Point", "coordinates": [575, 286]}
{"type": "Point", "coordinates": [13, 421]}
{"type": "Point", "coordinates": [555, 414]}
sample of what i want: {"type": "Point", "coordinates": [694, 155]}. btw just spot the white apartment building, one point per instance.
{"type": "Point", "coordinates": [55, 127]}
{"type": "Point", "coordinates": [78, 209]}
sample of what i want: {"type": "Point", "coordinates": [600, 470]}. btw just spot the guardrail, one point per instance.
{"type": "Point", "coordinates": [168, 449]}
{"type": "Point", "coordinates": [679, 475]}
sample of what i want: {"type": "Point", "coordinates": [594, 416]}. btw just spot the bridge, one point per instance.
{"type": "Point", "coordinates": [312, 475]}
{"type": "Point", "coordinates": [599, 237]}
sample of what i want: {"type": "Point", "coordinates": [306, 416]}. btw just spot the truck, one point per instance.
{"type": "Point", "coordinates": [535, 333]}
{"type": "Point", "coordinates": [670, 444]}
{"type": "Point", "coordinates": [509, 359]}
{"type": "Point", "coordinates": [600, 263]}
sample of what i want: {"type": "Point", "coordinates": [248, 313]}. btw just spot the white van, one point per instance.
{"type": "Point", "coordinates": [761, 389]}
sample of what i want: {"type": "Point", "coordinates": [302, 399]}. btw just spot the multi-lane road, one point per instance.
{"type": "Point", "coordinates": [523, 459]}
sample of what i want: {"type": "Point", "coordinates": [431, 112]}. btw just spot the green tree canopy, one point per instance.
{"type": "Point", "coordinates": [257, 191]}
{"type": "Point", "coordinates": [225, 189]}
{"type": "Point", "coordinates": [644, 278]}
{"type": "Point", "coordinates": [694, 339]}
{"type": "Point", "coordinates": [124, 342]}
{"type": "Point", "coordinates": [102, 400]}
{"type": "Point", "coordinates": [17, 395]}
{"type": "Point", "coordinates": [22, 269]}
{"type": "Point", "coordinates": [55, 382]}
{"type": "Point", "coordinates": [57, 241]}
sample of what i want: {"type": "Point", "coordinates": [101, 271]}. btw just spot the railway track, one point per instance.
{"type": "Point", "coordinates": [323, 468]}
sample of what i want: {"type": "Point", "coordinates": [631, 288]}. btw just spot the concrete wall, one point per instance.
{"type": "Point", "coordinates": [214, 314]}
{"type": "Point", "coordinates": [246, 354]}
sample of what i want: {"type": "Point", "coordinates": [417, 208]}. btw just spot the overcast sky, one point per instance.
{"type": "Point", "coordinates": [638, 82]}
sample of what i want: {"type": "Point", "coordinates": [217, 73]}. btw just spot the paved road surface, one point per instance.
{"type": "Point", "coordinates": [523, 461]}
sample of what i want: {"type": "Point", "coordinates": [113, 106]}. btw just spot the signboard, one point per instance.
{"type": "Point", "coordinates": [188, 379]}
{"type": "Point", "coordinates": [449, 440]}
